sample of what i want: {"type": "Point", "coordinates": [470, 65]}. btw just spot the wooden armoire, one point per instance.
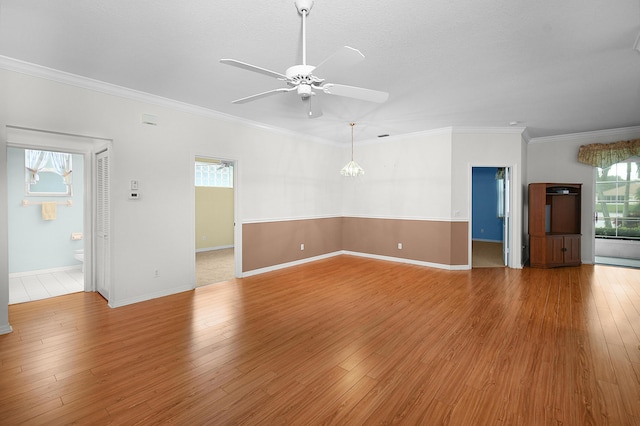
{"type": "Point", "coordinates": [554, 224]}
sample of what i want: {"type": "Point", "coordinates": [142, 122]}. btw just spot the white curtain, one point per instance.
{"type": "Point", "coordinates": [62, 165]}
{"type": "Point", "coordinates": [34, 161]}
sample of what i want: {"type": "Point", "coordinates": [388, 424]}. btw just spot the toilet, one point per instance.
{"type": "Point", "coordinates": [79, 255]}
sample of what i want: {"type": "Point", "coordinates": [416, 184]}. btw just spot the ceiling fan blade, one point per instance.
{"type": "Point", "coordinates": [334, 65]}
{"type": "Point", "coordinates": [312, 106]}
{"type": "Point", "coordinates": [355, 92]}
{"type": "Point", "coordinates": [262, 95]}
{"type": "Point", "coordinates": [253, 68]}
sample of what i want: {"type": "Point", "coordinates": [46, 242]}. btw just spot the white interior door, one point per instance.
{"type": "Point", "coordinates": [102, 258]}
{"type": "Point", "coordinates": [507, 216]}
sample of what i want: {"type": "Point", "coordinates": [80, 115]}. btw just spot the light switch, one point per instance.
{"type": "Point", "coordinates": [134, 185]}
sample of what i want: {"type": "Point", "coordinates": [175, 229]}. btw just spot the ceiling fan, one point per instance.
{"type": "Point", "coordinates": [306, 79]}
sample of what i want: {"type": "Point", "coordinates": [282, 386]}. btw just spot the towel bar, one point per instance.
{"type": "Point", "coordinates": [26, 203]}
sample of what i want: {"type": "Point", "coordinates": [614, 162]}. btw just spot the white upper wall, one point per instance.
{"type": "Point", "coordinates": [406, 177]}
{"type": "Point", "coordinates": [280, 176]}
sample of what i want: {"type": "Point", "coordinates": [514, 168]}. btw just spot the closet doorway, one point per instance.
{"type": "Point", "coordinates": [215, 199]}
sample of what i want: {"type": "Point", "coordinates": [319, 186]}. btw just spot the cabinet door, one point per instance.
{"type": "Point", "coordinates": [572, 250]}
{"type": "Point", "coordinates": [537, 252]}
{"type": "Point", "coordinates": [555, 250]}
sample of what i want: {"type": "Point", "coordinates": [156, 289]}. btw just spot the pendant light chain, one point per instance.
{"type": "Point", "coordinates": [352, 124]}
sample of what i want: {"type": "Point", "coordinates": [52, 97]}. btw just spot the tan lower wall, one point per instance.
{"type": "Point", "coordinates": [422, 240]}
{"type": "Point", "coordinates": [273, 243]}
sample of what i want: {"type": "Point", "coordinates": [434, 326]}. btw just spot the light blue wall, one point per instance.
{"type": "Point", "coordinates": [36, 244]}
{"type": "Point", "coordinates": [486, 225]}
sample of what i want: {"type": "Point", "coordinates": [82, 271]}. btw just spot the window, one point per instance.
{"type": "Point", "coordinates": [47, 173]}
{"type": "Point", "coordinates": [500, 185]}
{"type": "Point", "coordinates": [618, 200]}
{"type": "Point", "coordinates": [218, 174]}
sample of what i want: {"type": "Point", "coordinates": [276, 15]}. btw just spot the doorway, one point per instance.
{"type": "Point", "coordinates": [490, 216]}
{"type": "Point", "coordinates": [79, 241]}
{"type": "Point", "coordinates": [215, 200]}
{"type": "Point", "coordinates": [46, 245]}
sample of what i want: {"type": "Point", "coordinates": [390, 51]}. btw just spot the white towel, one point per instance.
{"type": "Point", "coordinates": [49, 210]}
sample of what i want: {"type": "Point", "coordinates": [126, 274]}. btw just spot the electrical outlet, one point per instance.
{"type": "Point", "coordinates": [301, 246]}
{"type": "Point", "coordinates": [156, 273]}
{"type": "Point", "coordinates": [399, 246]}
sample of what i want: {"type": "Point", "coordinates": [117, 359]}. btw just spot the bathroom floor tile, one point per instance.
{"type": "Point", "coordinates": [41, 286]}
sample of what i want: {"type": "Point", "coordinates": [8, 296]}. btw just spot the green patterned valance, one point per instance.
{"type": "Point", "coordinates": [604, 155]}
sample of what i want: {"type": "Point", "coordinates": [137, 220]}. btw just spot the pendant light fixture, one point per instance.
{"type": "Point", "coordinates": [352, 168]}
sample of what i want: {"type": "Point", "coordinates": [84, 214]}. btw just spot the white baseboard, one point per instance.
{"type": "Point", "coordinates": [289, 264]}
{"type": "Point", "coordinates": [132, 300]}
{"type": "Point", "coordinates": [44, 271]}
{"type": "Point", "coordinates": [410, 261]}
{"type": "Point", "coordinates": [353, 253]}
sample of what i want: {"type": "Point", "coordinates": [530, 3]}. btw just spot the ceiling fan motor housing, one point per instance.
{"type": "Point", "coordinates": [300, 76]}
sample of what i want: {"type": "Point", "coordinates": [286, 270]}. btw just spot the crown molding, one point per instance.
{"type": "Point", "coordinates": [450, 130]}
{"type": "Point", "coordinates": [489, 130]}
{"type": "Point", "coordinates": [598, 135]}
{"type": "Point", "coordinates": [526, 135]}
{"type": "Point", "coordinates": [33, 70]}
{"type": "Point", "coordinates": [404, 136]}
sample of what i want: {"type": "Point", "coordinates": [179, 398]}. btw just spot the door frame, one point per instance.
{"type": "Point", "coordinates": [508, 239]}
{"type": "Point", "coordinates": [28, 138]}
{"type": "Point", "coordinates": [237, 226]}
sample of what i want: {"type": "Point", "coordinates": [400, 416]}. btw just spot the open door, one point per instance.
{"type": "Point", "coordinates": [506, 215]}
{"type": "Point", "coordinates": [102, 257]}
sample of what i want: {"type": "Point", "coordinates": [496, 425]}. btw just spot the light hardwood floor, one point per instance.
{"type": "Point", "coordinates": [344, 340]}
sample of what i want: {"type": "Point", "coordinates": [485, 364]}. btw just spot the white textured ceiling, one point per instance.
{"type": "Point", "coordinates": [555, 67]}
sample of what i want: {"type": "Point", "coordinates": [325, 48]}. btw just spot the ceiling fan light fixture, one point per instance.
{"type": "Point", "coordinates": [352, 168]}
